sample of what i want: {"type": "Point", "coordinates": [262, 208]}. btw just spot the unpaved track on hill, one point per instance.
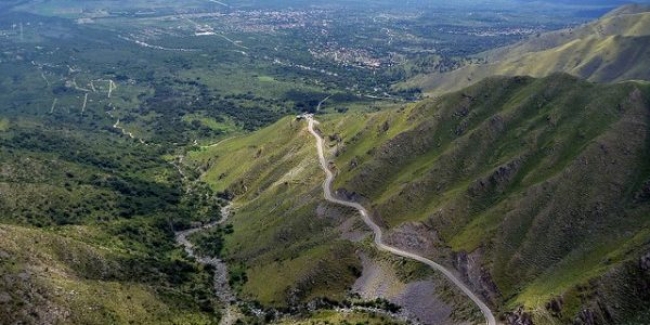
{"type": "Point", "coordinates": [327, 192]}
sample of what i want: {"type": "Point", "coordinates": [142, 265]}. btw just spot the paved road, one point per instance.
{"type": "Point", "coordinates": [327, 191]}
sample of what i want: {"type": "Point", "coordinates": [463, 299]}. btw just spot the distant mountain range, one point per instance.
{"type": "Point", "coordinates": [613, 48]}
{"type": "Point", "coordinates": [612, 3]}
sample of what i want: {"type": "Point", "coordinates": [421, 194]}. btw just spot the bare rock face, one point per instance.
{"type": "Point", "coordinates": [497, 181]}
{"type": "Point", "coordinates": [586, 317]}
{"type": "Point", "coordinates": [555, 306]}
{"type": "Point", "coordinates": [350, 196]}
{"type": "Point", "coordinates": [644, 263]}
{"type": "Point", "coordinates": [415, 237]}
{"type": "Point", "coordinates": [519, 317]}
{"type": "Point", "coordinates": [420, 300]}
{"type": "Point", "coordinates": [476, 274]}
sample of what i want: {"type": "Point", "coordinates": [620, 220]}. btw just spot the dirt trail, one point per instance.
{"type": "Point", "coordinates": [327, 193]}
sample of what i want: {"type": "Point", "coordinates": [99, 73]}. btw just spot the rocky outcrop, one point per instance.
{"type": "Point", "coordinates": [644, 263]}
{"type": "Point", "coordinates": [497, 181]}
{"type": "Point", "coordinates": [420, 300]}
{"type": "Point", "coordinates": [519, 317]}
{"type": "Point", "coordinates": [643, 195]}
{"type": "Point", "coordinates": [476, 274]}
{"type": "Point", "coordinates": [554, 307]}
{"type": "Point", "coordinates": [417, 237]}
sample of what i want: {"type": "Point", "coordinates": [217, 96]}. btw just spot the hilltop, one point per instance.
{"type": "Point", "coordinates": [610, 49]}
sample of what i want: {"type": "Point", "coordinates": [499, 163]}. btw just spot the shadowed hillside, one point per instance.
{"type": "Point", "coordinates": [613, 48]}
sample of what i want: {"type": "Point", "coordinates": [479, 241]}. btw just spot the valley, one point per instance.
{"type": "Point", "coordinates": [485, 162]}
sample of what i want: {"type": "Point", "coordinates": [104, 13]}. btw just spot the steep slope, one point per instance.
{"type": "Point", "coordinates": [291, 248]}
{"type": "Point", "coordinates": [289, 252]}
{"type": "Point", "coordinates": [541, 182]}
{"type": "Point", "coordinates": [378, 232]}
{"type": "Point", "coordinates": [535, 190]}
{"type": "Point", "coordinates": [613, 48]}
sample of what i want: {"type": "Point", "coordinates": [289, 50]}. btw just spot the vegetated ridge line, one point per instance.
{"type": "Point", "coordinates": [327, 193]}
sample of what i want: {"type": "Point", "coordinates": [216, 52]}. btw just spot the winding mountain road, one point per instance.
{"type": "Point", "coordinates": [327, 191]}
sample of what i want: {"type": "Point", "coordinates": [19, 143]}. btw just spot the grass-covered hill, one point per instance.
{"type": "Point", "coordinates": [284, 234]}
{"type": "Point", "coordinates": [290, 248]}
{"type": "Point", "coordinates": [535, 189]}
{"type": "Point", "coordinates": [80, 275]}
{"type": "Point", "coordinates": [612, 48]}
{"type": "Point", "coordinates": [544, 180]}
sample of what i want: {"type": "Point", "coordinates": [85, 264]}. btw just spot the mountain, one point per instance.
{"type": "Point", "coordinates": [530, 177]}
{"type": "Point", "coordinates": [534, 190]}
{"type": "Point", "coordinates": [613, 48]}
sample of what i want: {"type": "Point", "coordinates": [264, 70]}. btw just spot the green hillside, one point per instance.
{"type": "Point", "coordinates": [275, 179]}
{"type": "Point", "coordinates": [613, 48]}
{"type": "Point", "coordinates": [86, 231]}
{"type": "Point", "coordinates": [542, 183]}
{"type": "Point", "coordinates": [534, 189]}
{"type": "Point", "coordinates": [59, 278]}
{"type": "Point", "coordinates": [545, 178]}
{"type": "Point", "coordinates": [290, 247]}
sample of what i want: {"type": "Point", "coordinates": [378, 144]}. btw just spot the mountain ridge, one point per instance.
{"type": "Point", "coordinates": [514, 174]}
{"type": "Point", "coordinates": [610, 49]}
